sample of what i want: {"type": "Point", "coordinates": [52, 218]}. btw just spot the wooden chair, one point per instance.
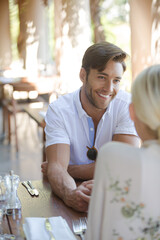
{"type": "Point", "coordinates": [9, 107]}
{"type": "Point", "coordinates": [12, 106]}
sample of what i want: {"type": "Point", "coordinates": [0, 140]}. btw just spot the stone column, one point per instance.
{"type": "Point", "coordinates": [5, 40]}
{"type": "Point", "coordinates": [33, 37]}
{"type": "Point", "coordinates": [156, 31]}
{"type": "Point", "coordinates": [140, 20]}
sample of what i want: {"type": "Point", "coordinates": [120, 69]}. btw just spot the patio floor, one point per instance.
{"type": "Point", "coordinates": [27, 162]}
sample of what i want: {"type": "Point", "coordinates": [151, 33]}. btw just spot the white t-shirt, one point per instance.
{"type": "Point", "coordinates": [68, 123]}
{"type": "Point", "coordinates": [125, 201]}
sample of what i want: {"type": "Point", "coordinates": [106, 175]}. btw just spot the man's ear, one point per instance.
{"type": "Point", "coordinates": [131, 111]}
{"type": "Point", "coordinates": [82, 75]}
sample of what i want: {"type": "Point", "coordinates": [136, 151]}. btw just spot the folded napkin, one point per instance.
{"type": "Point", "coordinates": [34, 229]}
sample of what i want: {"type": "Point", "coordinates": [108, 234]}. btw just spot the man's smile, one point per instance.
{"type": "Point", "coordinates": [104, 95]}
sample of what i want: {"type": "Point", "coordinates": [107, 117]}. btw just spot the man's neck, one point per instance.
{"type": "Point", "coordinates": [95, 113]}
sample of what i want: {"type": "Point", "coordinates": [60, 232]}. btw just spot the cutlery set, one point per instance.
{"type": "Point", "coordinates": [79, 226]}
{"type": "Point", "coordinates": [32, 191]}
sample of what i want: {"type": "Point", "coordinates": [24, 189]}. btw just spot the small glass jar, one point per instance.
{"type": "Point", "coordinates": [13, 203]}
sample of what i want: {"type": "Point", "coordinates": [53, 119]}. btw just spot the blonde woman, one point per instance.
{"type": "Point", "coordinates": [125, 202]}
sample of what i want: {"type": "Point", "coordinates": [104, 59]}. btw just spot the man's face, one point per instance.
{"type": "Point", "coordinates": [102, 87]}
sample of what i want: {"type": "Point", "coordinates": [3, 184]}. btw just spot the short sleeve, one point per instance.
{"type": "Point", "coordinates": [124, 123]}
{"type": "Point", "coordinates": [55, 129]}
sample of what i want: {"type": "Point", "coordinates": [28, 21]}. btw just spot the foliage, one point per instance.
{"type": "Point", "coordinates": [114, 13]}
{"type": "Point", "coordinates": [115, 21]}
{"type": "Point", "coordinates": [115, 10]}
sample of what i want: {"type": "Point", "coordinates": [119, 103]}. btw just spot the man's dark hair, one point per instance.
{"type": "Point", "coordinates": [97, 56]}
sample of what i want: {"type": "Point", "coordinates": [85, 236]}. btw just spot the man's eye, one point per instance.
{"type": "Point", "coordinates": [101, 77]}
{"type": "Point", "coordinates": [116, 81]}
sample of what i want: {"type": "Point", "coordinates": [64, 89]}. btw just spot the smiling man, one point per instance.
{"type": "Point", "coordinates": [79, 123]}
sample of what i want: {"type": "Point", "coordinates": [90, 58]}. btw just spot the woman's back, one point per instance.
{"type": "Point", "coordinates": [125, 203]}
{"type": "Point", "coordinates": [126, 195]}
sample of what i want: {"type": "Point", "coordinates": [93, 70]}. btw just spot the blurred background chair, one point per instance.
{"type": "Point", "coordinates": [16, 97]}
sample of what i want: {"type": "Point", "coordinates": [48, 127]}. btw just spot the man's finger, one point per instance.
{"type": "Point", "coordinates": [89, 186]}
{"type": "Point", "coordinates": [83, 196]}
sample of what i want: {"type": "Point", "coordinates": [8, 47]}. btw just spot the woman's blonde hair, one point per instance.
{"type": "Point", "coordinates": [146, 97]}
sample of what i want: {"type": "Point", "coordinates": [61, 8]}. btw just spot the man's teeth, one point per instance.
{"type": "Point", "coordinates": [105, 96]}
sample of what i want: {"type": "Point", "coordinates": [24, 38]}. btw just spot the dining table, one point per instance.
{"type": "Point", "coordinates": [46, 205]}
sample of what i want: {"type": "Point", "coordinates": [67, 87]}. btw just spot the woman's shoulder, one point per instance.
{"type": "Point", "coordinates": [118, 147]}
{"type": "Point", "coordinates": [114, 152]}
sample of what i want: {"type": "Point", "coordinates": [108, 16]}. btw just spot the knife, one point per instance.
{"type": "Point", "coordinates": [49, 228]}
{"type": "Point", "coordinates": [36, 193]}
{"type": "Point", "coordinates": [30, 190]}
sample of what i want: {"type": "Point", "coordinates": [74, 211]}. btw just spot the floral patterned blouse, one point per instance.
{"type": "Point", "coordinates": [125, 202]}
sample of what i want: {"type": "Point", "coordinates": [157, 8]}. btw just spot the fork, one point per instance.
{"type": "Point", "coordinates": [79, 227]}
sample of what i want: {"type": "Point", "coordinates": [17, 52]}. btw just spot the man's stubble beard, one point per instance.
{"type": "Point", "coordinates": [89, 96]}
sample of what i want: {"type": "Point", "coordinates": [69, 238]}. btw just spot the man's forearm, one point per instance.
{"type": "Point", "coordinates": [64, 186]}
{"type": "Point", "coordinates": [61, 183]}
{"type": "Point", "coordinates": [84, 172]}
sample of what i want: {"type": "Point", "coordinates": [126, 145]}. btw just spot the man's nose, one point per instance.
{"type": "Point", "coordinates": [109, 86]}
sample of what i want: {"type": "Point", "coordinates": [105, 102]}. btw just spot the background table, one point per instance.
{"type": "Point", "coordinates": [46, 205]}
